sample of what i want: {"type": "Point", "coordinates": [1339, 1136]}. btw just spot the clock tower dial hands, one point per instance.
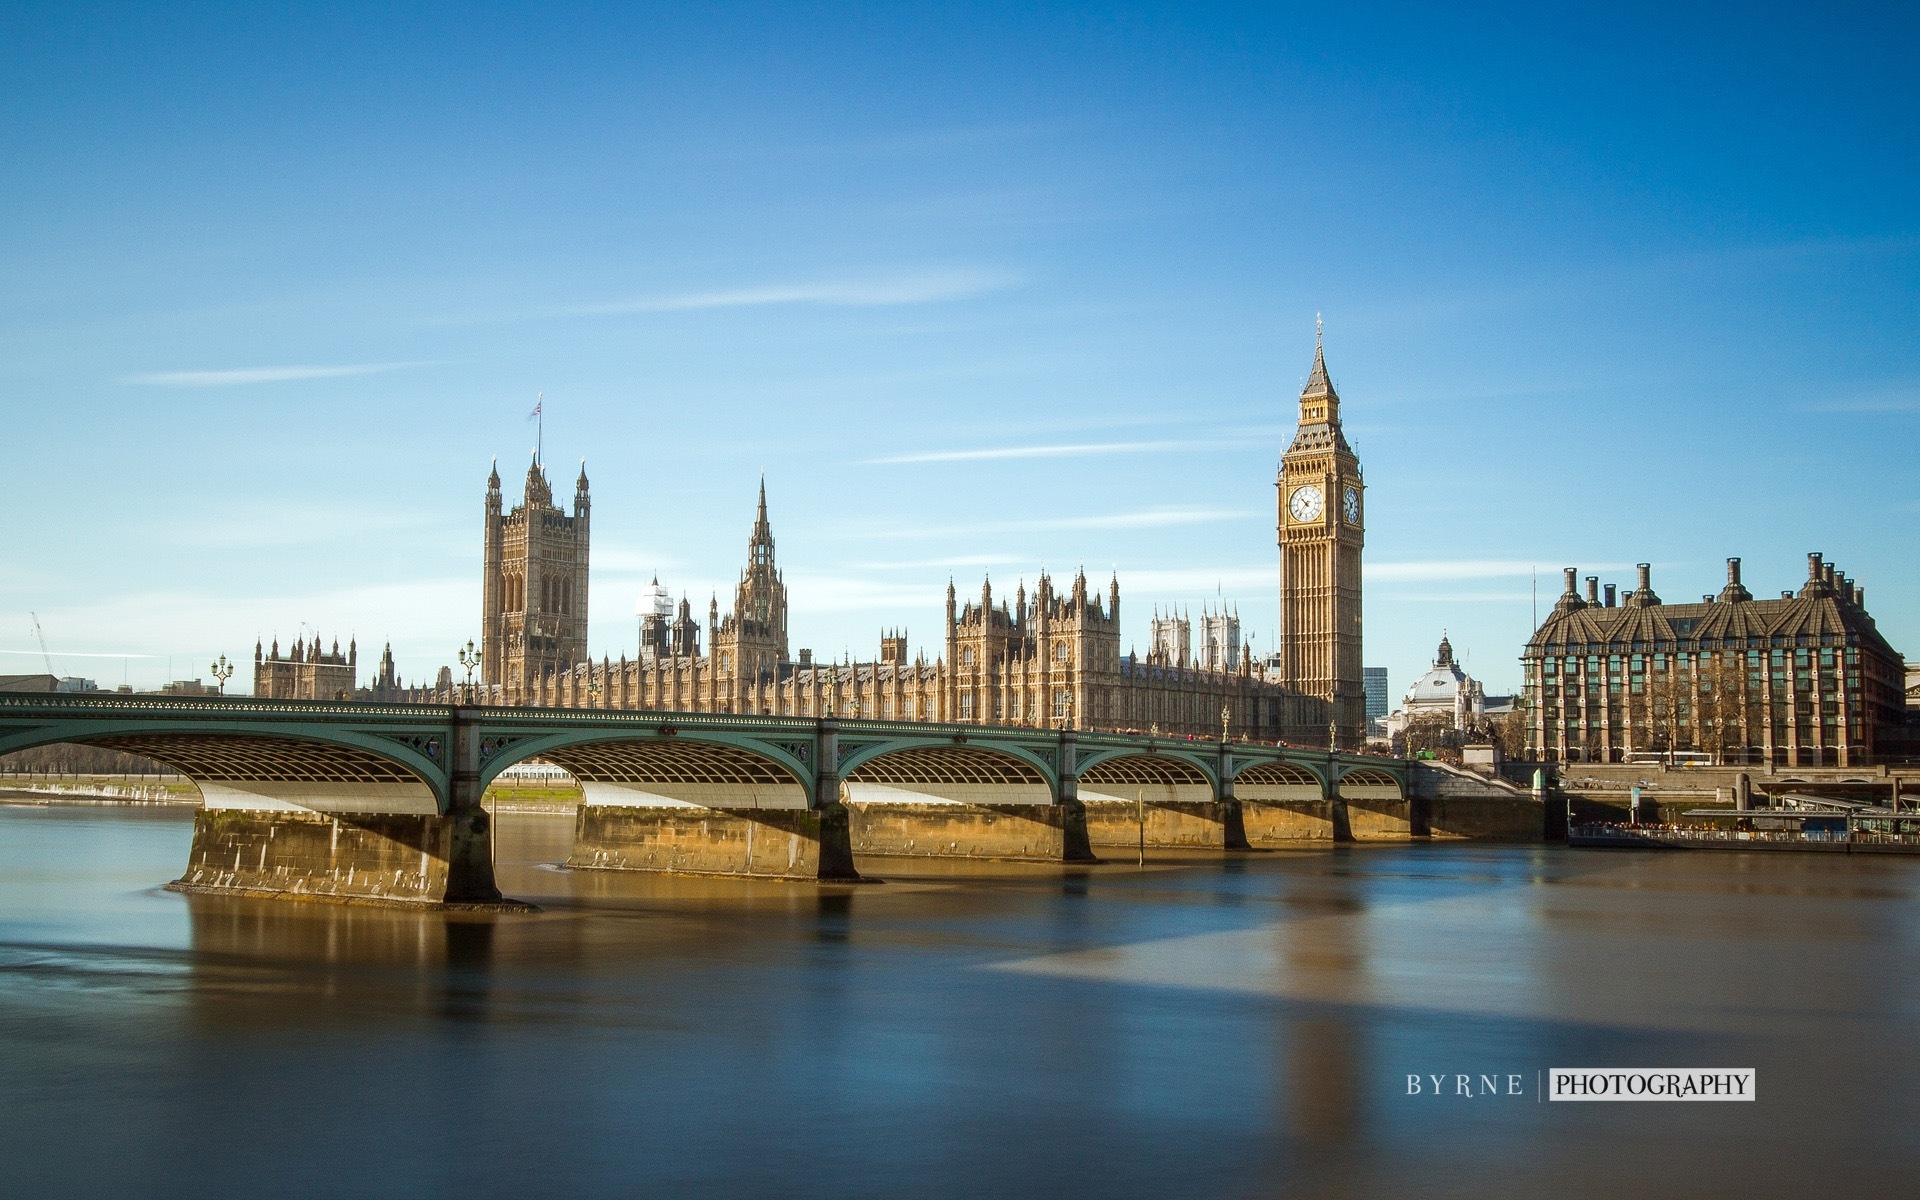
{"type": "Point", "coordinates": [1305, 503]}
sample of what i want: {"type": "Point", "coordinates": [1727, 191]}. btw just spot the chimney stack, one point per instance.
{"type": "Point", "coordinates": [1733, 572]}
{"type": "Point", "coordinates": [1572, 574]}
{"type": "Point", "coordinates": [1612, 592]}
{"type": "Point", "coordinates": [1645, 583]}
{"type": "Point", "coordinates": [1813, 568]}
{"type": "Point", "coordinates": [1593, 589]}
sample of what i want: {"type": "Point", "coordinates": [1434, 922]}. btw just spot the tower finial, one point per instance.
{"type": "Point", "coordinates": [1319, 327]}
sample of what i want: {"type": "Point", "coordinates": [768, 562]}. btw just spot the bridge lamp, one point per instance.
{"type": "Point", "coordinates": [469, 659]}
{"type": "Point", "coordinates": [1226, 715]}
{"type": "Point", "coordinates": [222, 671]}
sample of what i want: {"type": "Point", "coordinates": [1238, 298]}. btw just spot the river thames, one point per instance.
{"type": "Point", "coordinates": [1242, 1026]}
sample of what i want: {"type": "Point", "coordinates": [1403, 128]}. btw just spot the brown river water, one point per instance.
{"type": "Point", "coordinates": [1238, 1025]}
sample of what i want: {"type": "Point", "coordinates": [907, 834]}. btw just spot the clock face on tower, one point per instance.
{"type": "Point", "coordinates": [1305, 503]}
{"type": "Point", "coordinates": [1350, 505]}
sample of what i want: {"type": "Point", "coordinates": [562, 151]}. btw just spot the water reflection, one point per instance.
{"type": "Point", "coordinates": [1322, 951]}
{"type": "Point", "coordinates": [960, 1030]}
{"type": "Point", "coordinates": [252, 957]}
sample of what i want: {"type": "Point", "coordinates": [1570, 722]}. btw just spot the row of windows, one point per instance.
{"type": "Point", "coordinates": [1802, 660]}
{"type": "Point", "coordinates": [1731, 643]}
{"type": "Point", "coordinates": [555, 594]}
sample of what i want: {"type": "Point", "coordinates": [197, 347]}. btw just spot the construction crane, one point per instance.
{"type": "Point", "coordinates": [43, 643]}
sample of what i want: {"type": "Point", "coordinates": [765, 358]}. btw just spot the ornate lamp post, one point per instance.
{"type": "Point", "coordinates": [469, 659]}
{"type": "Point", "coordinates": [222, 671]}
{"type": "Point", "coordinates": [1226, 716]}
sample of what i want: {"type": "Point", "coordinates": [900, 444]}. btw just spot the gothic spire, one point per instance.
{"type": "Point", "coordinates": [762, 528]}
{"type": "Point", "coordinates": [1318, 384]}
{"type": "Point", "coordinates": [537, 493]}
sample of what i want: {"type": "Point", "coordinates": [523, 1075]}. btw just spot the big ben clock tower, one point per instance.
{"type": "Point", "coordinates": [1322, 510]}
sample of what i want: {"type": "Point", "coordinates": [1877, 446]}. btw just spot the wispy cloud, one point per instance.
{"type": "Point", "coordinates": [956, 560]}
{"type": "Point", "coordinates": [1177, 583]}
{"type": "Point", "coordinates": [1152, 518]}
{"type": "Point", "coordinates": [1898, 400]}
{"type": "Point", "coordinates": [1472, 568]}
{"type": "Point", "coordinates": [923, 287]}
{"type": "Point", "coordinates": [65, 654]}
{"type": "Point", "coordinates": [276, 524]}
{"type": "Point", "coordinates": [233, 376]}
{"type": "Point", "coordinates": [1069, 450]}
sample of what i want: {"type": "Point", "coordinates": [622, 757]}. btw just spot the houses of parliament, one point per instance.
{"type": "Point", "coordinates": [1050, 657]}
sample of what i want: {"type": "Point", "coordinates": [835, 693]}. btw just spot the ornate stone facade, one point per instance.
{"type": "Point", "coordinates": [1052, 658]}
{"type": "Point", "coordinates": [1805, 680]}
{"type": "Point", "coordinates": [1322, 531]}
{"type": "Point", "coordinates": [533, 618]}
{"type": "Point", "coordinates": [306, 672]}
{"type": "Point", "coordinates": [1049, 659]}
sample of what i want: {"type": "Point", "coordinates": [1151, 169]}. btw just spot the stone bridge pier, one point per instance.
{"type": "Point", "coordinates": [700, 801]}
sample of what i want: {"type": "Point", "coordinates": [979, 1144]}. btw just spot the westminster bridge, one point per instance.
{"type": "Point", "coordinates": [363, 801]}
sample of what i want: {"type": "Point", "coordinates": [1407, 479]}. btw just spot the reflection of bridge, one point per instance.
{"type": "Point", "coordinates": [383, 802]}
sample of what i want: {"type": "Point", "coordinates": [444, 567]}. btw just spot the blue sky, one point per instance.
{"type": "Point", "coordinates": [983, 289]}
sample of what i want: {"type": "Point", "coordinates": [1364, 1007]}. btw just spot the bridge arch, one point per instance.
{"type": "Point", "coordinates": [1160, 765]}
{"type": "Point", "coordinates": [1147, 779]}
{"type": "Point", "coordinates": [920, 772]}
{"type": "Point", "coordinates": [1274, 782]}
{"type": "Point", "coordinates": [267, 765]}
{"type": "Point", "coordinates": [677, 770]}
{"type": "Point", "coordinates": [1369, 783]}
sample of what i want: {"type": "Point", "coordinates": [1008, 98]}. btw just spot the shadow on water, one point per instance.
{"type": "Point", "coordinates": [263, 961]}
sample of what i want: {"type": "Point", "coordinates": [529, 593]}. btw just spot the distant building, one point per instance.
{"type": "Point", "coordinates": [1220, 639]}
{"type": "Point", "coordinates": [189, 687]}
{"type": "Point", "coordinates": [29, 683]}
{"type": "Point", "coordinates": [1170, 639]}
{"type": "Point", "coordinates": [73, 683]}
{"type": "Point", "coordinates": [1374, 679]}
{"type": "Point", "coordinates": [1805, 680]}
{"type": "Point", "coordinates": [664, 633]}
{"type": "Point", "coordinates": [306, 672]}
{"type": "Point", "coordinates": [1445, 695]}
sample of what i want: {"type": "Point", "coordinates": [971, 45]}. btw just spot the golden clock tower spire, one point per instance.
{"type": "Point", "coordinates": [1321, 500]}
